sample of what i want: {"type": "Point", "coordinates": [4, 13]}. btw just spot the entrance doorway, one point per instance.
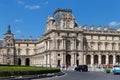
{"type": "Point", "coordinates": [110, 59]}
{"type": "Point", "coordinates": [58, 63]}
{"type": "Point", "coordinates": [27, 62]}
{"type": "Point", "coordinates": [88, 59]}
{"type": "Point", "coordinates": [77, 62]}
{"type": "Point", "coordinates": [96, 59]}
{"type": "Point", "coordinates": [103, 59]}
{"type": "Point", "coordinates": [19, 61]}
{"type": "Point", "coordinates": [68, 60]}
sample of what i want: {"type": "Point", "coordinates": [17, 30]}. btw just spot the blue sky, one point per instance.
{"type": "Point", "coordinates": [28, 17]}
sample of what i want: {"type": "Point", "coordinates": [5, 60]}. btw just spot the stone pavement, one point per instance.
{"type": "Point", "coordinates": [89, 69]}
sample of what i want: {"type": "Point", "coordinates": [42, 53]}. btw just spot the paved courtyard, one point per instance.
{"type": "Point", "coordinates": [92, 75]}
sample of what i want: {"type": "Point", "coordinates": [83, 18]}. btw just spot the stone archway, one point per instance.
{"type": "Point", "coordinates": [96, 59]}
{"type": "Point", "coordinates": [19, 61]}
{"type": "Point", "coordinates": [68, 60]}
{"type": "Point", "coordinates": [103, 60]}
{"type": "Point", "coordinates": [27, 62]}
{"type": "Point", "coordinates": [88, 59]}
{"type": "Point", "coordinates": [110, 59]}
{"type": "Point", "coordinates": [118, 59]}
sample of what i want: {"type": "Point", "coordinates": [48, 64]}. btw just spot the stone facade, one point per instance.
{"type": "Point", "coordinates": [64, 43]}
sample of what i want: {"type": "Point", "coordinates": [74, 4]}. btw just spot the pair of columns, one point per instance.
{"type": "Point", "coordinates": [48, 60]}
{"type": "Point", "coordinates": [47, 45]}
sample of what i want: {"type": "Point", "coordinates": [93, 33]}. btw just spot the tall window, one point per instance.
{"type": "Point", "coordinates": [113, 46]}
{"type": "Point", "coordinates": [99, 46]}
{"type": "Point", "coordinates": [34, 45]}
{"type": "Point", "coordinates": [98, 37]}
{"type": "Point", "coordinates": [58, 34]}
{"type": "Point", "coordinates": [68, 44]}
{"type": "Point", "coordinates": [27, 45]}
{"type": "Point", "coordinates": [77, 45]}
{"type": "Point", "coordinates": [8, 53]}
{"type": "Point", "coordinates": [19, 51]}
{"type": "Point", "coordinates": [105, 37]}
{"type": "Point", "coordinates": [92, 44]}
{"type": "Point", "coordinates": [35, 51]}
{"type": "Point", "coordinates": [105, 46]}
{"type": "Point", "coordinates": [91, 37]}
{"type": "Point", "coordinates": [67, 24]}
{"type": "Point", "coordinates": [74, 43]}
{"type": "Point", "coordinates": [46, 45]}
{"type": "Point", "coordinates": [67, 34]}
{"type": "Point", "coordinates": [58, 44]}
{"type": "Point", "coordinates": [112, 37]}
{"type": "Point", "coordinates": [119, 46]}
{"type": "Point", "coordinates": [19, 45]}
{"type": "Point", "coordinates": [27, 51]}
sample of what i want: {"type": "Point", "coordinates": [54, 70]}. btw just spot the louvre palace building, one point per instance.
{"type": "Point", "coordinates": [63, 43]}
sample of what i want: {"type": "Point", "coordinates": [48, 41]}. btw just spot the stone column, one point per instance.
{"type": "Point", "coordinates": [107, 59]}
{"type": "Point", "coordinates": [46, 60]}
{"type": "Point", "coordinates": [74, 43]}
{"type": "Point", "coordinates": [63, 59]}
{"type": "Point", "coordinates": [62, 47]}
{"type": "Point", "coordinates": [75, 58]}
{"type": "Point", "coordinates": [48, 44]}
{"type": "Point", "coordinates": [84, 59]}
{"type": "Point", "coordinates": [72, 59]}
{"type": "Point", "coordinates": [50, 59]}
{"type": "Point", "coordinates": [99, 59]}
{"type": "Point", "coordinates": [92, 60]}
{"type": "Point", "coordinates": [64, 44]}
{"type": "Point", "coordinates": [45, 45]}
{"type": "Point", "coordinates": [114, 59]}
{"type": "Point", "coordinates": [81, 61]}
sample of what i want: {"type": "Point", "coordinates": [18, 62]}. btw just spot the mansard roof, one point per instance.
{"type": "Point", "coordinates": [63, 10]}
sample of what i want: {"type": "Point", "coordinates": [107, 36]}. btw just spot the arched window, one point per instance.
{"type": "Point", "coordinates": [88, 59]}
{"type": "Point", "coordinates": [110, 59]}
{"type": "Point", "coordinates": [96, 59]}
{"type": "Point", "coordinates": [27, 62]}
{"type": "Point", "coordinates": [118, 58]}
{"type": "Point", "coordinates": [68, 46]}
{"type": "Point", "coordinates": [19, 61]}
{"type": "Point", "coordinates": [103, 59]}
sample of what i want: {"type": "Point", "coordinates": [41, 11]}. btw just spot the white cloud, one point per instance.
{"type": "Point", "coordinates": [18, 31]}
{"type": "Point", "coordinates": [18, 20]}
{"type": "Point", "coordinates": [32, 7]}
{"type": "Point", "coordinates": [21, 2]}
{"type": "Point", "coordinates": [114, 23]}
